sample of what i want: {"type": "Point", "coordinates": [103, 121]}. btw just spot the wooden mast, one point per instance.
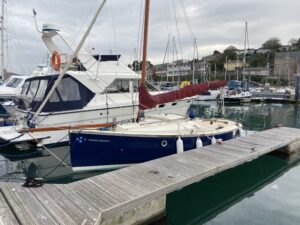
{"type": "Point", "coordinates": [145, 45]}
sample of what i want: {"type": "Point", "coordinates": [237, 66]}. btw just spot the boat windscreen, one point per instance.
{"type": "Point", "coordinates": [69, 94]}
{"type": "Point", "coordinates": [14, 82]}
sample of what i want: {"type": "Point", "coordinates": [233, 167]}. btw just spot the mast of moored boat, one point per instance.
{"type": "Point", "coordinates": [145, 44]}
{"type": "Point", "coordinates": [2, 40]}
{"type": "Point", "coordinates": [246, 48]}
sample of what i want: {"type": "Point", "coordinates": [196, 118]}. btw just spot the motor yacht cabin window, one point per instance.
{"type": "Point", "coordinates": [136, 85]}
{"type": "Point", "coordinates": [54, 97]}
{"type": "Point", "coordinates": [69, 95]}
{"type": "Point", "coordinates": [32, 89]}
{"type": "Point", "coordinates": [118, 86]}
{"type": "Point", "coordinates": [33, 92]}
{"type": "Point", "coordinates": [25, 88]}
{"type": "Point", "coordinates": [41, 90]}
{"type": "Point", "coordinates": [13, 83]}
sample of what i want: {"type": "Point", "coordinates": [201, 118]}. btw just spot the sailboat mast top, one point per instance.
{"type": "Point", "coordinates": [2, 40]}
{"type": "Point", "coordinates": [146, 24]}
{"type": "Point", "coordinates": [245, 49]}
{"type": "Point", "coordinates": [69, 63]}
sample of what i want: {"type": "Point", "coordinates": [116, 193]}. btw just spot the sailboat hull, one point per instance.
{"type": "Point", "coordinates": [210, 95]}
{"type": "Point", "coordinates": [100, 151]}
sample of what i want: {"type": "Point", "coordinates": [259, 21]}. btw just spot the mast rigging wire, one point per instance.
{"type": "Point", "coordinates": [177, 29]}
{"type": "Point", "coordinates": [114, 29]}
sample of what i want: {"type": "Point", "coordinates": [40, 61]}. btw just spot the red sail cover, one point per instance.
{"type": "Point", "coordinates": [148, 101]}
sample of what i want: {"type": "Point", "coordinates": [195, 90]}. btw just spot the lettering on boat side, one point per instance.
{"type": "Point", "coordinates": [99, 140]}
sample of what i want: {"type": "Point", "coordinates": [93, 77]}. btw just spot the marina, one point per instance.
{"type": "Point", "coordinates": [192, 128]}
{"type": "Point", "coordinates": [124, 196]}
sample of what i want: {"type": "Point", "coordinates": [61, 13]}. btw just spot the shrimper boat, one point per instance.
{"type": "Point", "coordinates": [156, 136]}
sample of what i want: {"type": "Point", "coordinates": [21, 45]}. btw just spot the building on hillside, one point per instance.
{"type": "Point", "coordinates": [210, 58]}
{"type": "Point", "coordinates": [287, 65]}
{"type": "Point", "coordinates": [263, 51]}
{"type": "Point", "coordinates": [256, 71]}
{"type": "Point", "coordinates": [250, 51]}
{"type": "Point", "coordinates": [233, 65]}
{"type": "Point", "coordinates": [161, 69]}
{"type": "Point", "coordinates": [174, 69]}
{"type": "Point", "coordinates": [285, 48]}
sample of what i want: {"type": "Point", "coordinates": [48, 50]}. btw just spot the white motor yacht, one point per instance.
{"type": "Point", "coordinates": [95, 90]}
{"type": "Point", "coordinates": [11, 88]}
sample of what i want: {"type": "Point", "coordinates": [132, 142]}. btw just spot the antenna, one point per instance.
{"type": "Point", "coordinates": [34, 16]}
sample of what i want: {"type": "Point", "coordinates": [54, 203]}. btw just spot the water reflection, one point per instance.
{"type": "Point", "coordinates": [244, 195]}
{"type": "Point", "coordinates": [201, 203]}
{"type": "Point", "coordinates": [52, 166]}
{"type": "Point", "coordinates": [254, 116]}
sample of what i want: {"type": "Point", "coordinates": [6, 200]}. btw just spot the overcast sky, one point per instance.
{"type": "Point", "coordinates": [215, 24]}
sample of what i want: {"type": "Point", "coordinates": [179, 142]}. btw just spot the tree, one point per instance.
{"type": "Point", "coordinates": [292, 41]}
{"type": "Point", "coordinates": [258, 60]}
{"type": "Point", "coordinates": [272, 44]}
{"type": "Point", "coordinates": [216, 52]}
{"type": "Point", "coordinates": [297, 44]}
{"type": "Point", "coordinates": [230, 49]}
{"type": "Point", "coordinates": [136, 66]}
{"type": "Point", "coordinates": [230, 52]}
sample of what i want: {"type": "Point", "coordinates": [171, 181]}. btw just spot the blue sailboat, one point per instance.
{"type": "Point", "coordinates": [157, 136]}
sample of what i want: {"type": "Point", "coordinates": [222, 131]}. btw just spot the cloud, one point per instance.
{"type": "Point", "coordinates": [216, 24]}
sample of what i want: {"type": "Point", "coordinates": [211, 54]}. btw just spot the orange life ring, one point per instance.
{"type": "Point", "coordinates": [56, 61]}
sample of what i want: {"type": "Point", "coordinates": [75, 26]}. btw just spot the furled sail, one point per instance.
{"type": "Point", "coordinates": [148, 101]}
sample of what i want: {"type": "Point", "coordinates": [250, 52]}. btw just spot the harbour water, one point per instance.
{"type": "Point", "coordinates": [264, 191]}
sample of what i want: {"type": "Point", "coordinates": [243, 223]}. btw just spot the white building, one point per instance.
{"type": "Point", "coordinates": [174, 69]}
{"type": "Point", "coordinates": [256, 71]}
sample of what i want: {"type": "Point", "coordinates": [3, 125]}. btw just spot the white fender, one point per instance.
{"type": "Point", "coordinates": [241, 132]}
{"type": "Point", "coordinates": [199, 143]}
{"type": "Point", "coordinates": [179, 145]}
{"type": "Point", "coordinates": [213, 140]}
